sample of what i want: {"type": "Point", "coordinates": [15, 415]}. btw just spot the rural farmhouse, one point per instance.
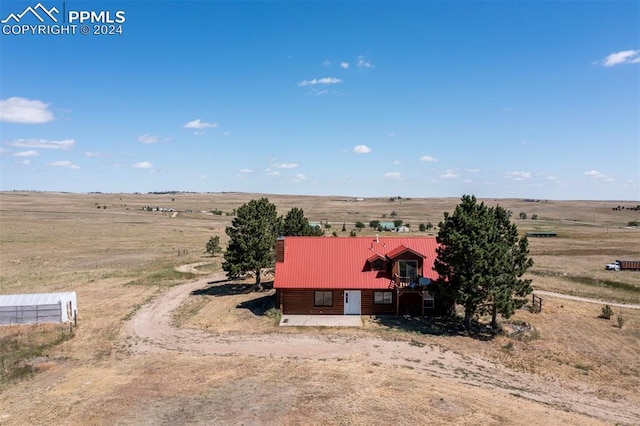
{"type": "Point", "coordinates": [356, 276]}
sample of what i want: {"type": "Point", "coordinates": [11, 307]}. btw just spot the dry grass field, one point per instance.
{"type": "Point", "coordinates": [209, 363]}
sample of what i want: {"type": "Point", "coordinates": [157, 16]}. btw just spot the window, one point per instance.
{"type": "Point", "coordinates": [408, 270]}
{"type": "Point", "coordinates": [429, 302]}
{"type": "Point", "coordinates": [382, 298]}
{"type": "Point", "coordinates": [323, 298]}
{"type": "Point", "coordinates": [378, 265]}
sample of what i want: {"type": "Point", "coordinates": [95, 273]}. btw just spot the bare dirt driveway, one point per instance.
{"type": "Point", "coordinates": [151, 331]}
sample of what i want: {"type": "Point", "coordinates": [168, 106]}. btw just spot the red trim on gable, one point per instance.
{"type": "Point", "coordinates": [375, 257]}
{"type": "Point", "coordinates": [341, 263]}
{"type": "Point", "coordinates": [402, 249]}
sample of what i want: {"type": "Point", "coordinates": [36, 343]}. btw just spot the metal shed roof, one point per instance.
{"type": "Point", "coordinates": [33, 299]}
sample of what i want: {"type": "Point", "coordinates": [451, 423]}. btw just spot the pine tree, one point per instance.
{"type": "Point", "coordinates": [252, 239]}
{"type": "Point", "coordinates": [213, 245]}
{"type": "Point", "coordinates": [481, 261]}
{"type": "Point", "coordinates": [295, 224]}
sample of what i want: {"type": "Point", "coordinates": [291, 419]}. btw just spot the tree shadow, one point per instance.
{"type": "Point", "coordinates": [259, 306]}
{"type": "Point", "coordinates": [436, 326]}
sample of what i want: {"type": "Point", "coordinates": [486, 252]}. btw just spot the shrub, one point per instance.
{"type": "Point", "coordinates": [352, 233]}
{"type": "Point", "coordinates": [606, 312]}
{"type": "Point", "coordinates": [422, 227]}
{"type": "Point", "coordinates": [620, 319]}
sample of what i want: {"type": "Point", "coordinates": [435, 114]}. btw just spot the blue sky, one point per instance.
{"type": "Point", "coordinates": [497, 99]}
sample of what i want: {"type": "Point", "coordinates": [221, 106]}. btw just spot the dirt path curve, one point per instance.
{"type": "Point", "coordinates": [585, 299]}
{"type": "Point", "coordinates": [193, 268]}
{"type": "Point", "coordinates": [151, 331]}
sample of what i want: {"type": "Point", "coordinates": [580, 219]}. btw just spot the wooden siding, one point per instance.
{"type": "Point", "coordinates": [369, 308]}
{"type": "Point", "coordinates": [301, 302]}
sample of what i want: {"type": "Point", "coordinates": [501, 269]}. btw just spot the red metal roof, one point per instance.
{"type": "Point", "coordinates": [342, 263]}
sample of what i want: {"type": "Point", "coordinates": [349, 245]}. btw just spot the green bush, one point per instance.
{"type": "Point", "coordinates": [620, 319]}
{"type": "Point", "coordinates": [607, 312]}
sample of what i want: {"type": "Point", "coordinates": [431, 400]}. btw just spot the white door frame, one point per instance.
{"type": "Point", "coordinates": [352, 302]}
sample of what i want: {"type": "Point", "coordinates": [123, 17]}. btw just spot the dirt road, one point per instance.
{"type": "Point", "coordinates": [584, 299]}
{"type": "Point", "coordinates": [150, 330]}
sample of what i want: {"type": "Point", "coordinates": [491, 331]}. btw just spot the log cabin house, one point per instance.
{"type": "Point", "coordinates": [355, 276]}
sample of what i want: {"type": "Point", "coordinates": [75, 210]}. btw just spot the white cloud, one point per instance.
{"type": "Point", "coordinates": [27, 154]}
{"type": "Point", "coordinates": [467, 181]}
{"type": "Point", "coordinates": [65, 164]}
{"type": "Point", "coordinates": [286, 165]}
{"type": "Point", "coordinates": [473, 170]}
{"type": "Point", "coordinates": [299, 177]}
{"type": "Point", "coordinates": [90, 154]}
{"type": "Point", "coordinates": [273, 173]}
{"type": "Point", "coordinates": [594, 173]}
{"type": "Point", "coordinates": [344, 65]}
{"type": "Point", "coordinates": [518, 175]}
{"type": "Point", "coordinates": [199, 124]}
{"type": "Point", "coordinates": [361, 149]}
{"type": "Point", "coordinates": [392, 175]}
{"type": "Point", "coordinates": [247, 170]}
{"type": "Point", "coordinates": [396, 163]}
{"type": "Point", "coordinates": [21, 110]}
{"type": "Point", "coordinates": [43, 143]}
{"type": "Point", "coordinates": [147, 138]}
{"type": "Point", "coordinates": [142, 165]}
{"type": "Point", "coordinates": [25, 162]}
{"type": "Point", "coordinates": [623, 57]}
{"type": "Point", "coordinates": [325, 80]}
{"type": "Point", "coordinates": [326, 63]}
{"type": "Point", "coordinates": [449, 174]}
{"type": "Point", "coordinates": [552, 178]}
{"type": "Point", "coordinates": [428, 159]}
{"type": "Point", "coordinates": [600, 176]}
{"type": "Point", "coordinates": [362, 63]}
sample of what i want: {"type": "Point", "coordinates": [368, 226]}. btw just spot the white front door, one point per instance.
{"type": "Point", "coordinates": [352, 302]}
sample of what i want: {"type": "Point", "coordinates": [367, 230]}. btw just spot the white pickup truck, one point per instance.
{"type": "Point", "coordinates": [615, 266]}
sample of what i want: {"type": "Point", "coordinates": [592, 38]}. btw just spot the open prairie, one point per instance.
{"type": "Point", "coordinates": [162, 342]}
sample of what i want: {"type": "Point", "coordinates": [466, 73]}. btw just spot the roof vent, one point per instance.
{"type": "Point", "coordinates": [377, 238]}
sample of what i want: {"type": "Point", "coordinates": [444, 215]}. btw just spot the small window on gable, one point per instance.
{"type": "Point", "coordinates": [378, 265]}
{"type": "Point", "coordinates": [323, 298]}
{"type": "Point", "coordinates": [382, 298]}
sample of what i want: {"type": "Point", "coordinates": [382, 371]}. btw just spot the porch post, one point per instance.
{"type": "Point", "coordinates": [397, 303]}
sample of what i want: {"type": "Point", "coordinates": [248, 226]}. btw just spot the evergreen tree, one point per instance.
{"type": "Point", "coordinates": [295, 224]}
{"type": "Point", "coordinates": [508, 261]}
{"type": "Point", "coordinates": [213, 245]}
{"type": "Point", "coordinates": [481, 261]}
{"type": "Point", "coordinates": [252, 239]}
